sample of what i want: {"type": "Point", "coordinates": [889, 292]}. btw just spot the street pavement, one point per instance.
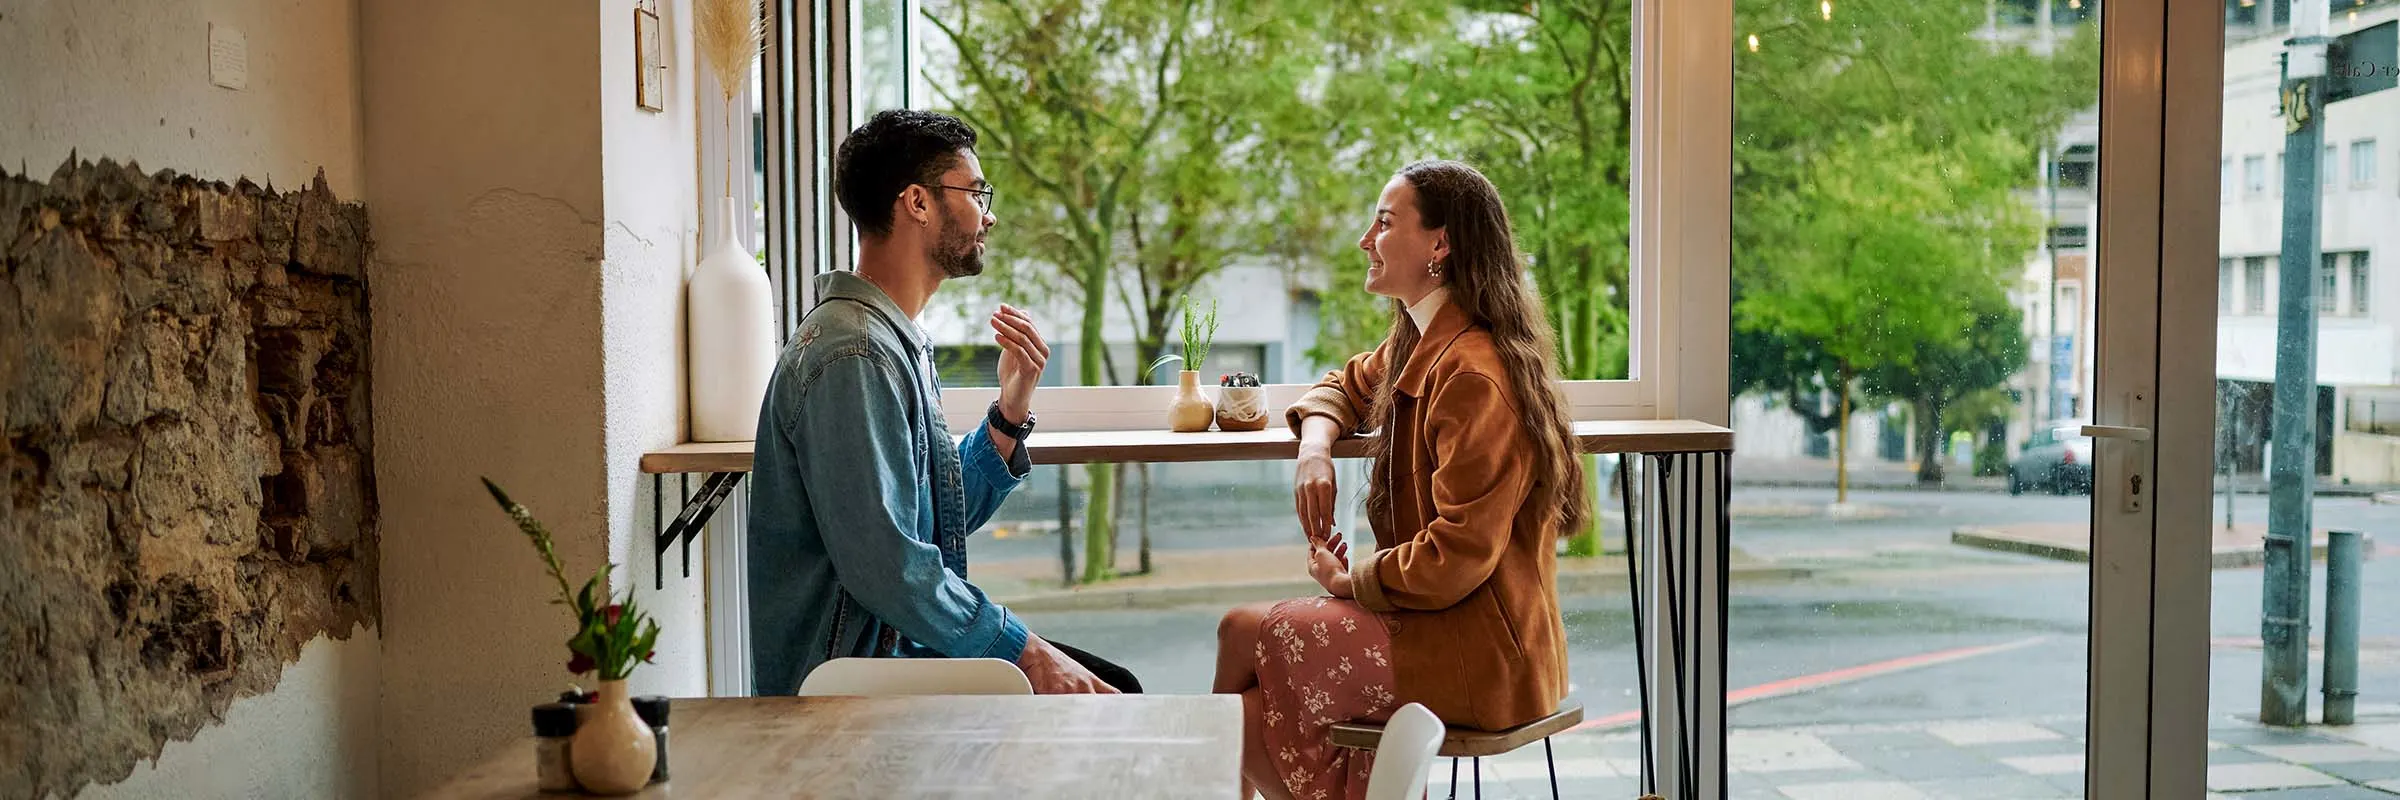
{"type": "Point", "coordinates": [1892, 635]}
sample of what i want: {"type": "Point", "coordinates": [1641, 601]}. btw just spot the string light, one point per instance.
{"type": "Point", "coordinates": [1827, 9]}
{"type": "Point", "coordinates": [1754, 43]}
{"type": "Point", "coordinates": [2075, 4]}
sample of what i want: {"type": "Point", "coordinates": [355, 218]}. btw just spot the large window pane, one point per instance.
{"type": "Point", "coordinates": [2345, 402]}
{"type": "Point", "coordinates": [1231, 152]}
{"type": "Point", "coordinates": [1896, 169]}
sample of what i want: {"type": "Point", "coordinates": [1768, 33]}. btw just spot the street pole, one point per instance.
{"type": "Point", "coordinates": [2050, 359]}
{"type": "Point", "coordinates": [2283, 693]}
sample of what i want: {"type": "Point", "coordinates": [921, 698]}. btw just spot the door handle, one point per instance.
{"type": "Point", "coordinates": [2126, 432]}
{"type": "Point", "coordinates": [2133, 480]}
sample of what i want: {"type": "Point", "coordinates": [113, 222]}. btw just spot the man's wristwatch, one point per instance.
{"type": "Point", "coordinates": [1013, 430]}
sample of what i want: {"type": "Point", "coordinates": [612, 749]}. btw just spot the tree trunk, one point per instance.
{"type": "Point", "coordinates": [1841, 438]}
{"type": "Point", "coordinates": [1145, 515]}
{"type": "Point", "coordinates": [1066, 529]}
{"type": "Point", "coordinates": [1929, 442]}
{"type": "Point", "coordinates": [1100, 488]}
{"type": "Point", "coordinates": [1100, 480]}
{"type": "Point", "coordinates": [1586, 543]}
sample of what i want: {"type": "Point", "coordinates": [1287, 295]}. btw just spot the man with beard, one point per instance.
{"type": "Point", "coordinates": [860, 507]}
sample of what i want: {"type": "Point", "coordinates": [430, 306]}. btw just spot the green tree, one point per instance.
{"type": "Point", "coordinates": [1944, 374]}
{"type": "Point", "coordinates": [1155, 141]}
{"type": "Point", "coordinates": [1878, 158]}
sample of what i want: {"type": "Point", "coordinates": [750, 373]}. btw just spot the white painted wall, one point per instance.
{"type": "Point", "coordinates": [532, 228]}
{"type": "Point", "coordinates": [650, 163]}
{"type": "Point", "coordinates": [128, 80]}
{"type": "Point", "coordinates": [277, 744]}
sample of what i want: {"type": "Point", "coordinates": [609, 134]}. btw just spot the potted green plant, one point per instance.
{"type": "Point", "coordinates": [1191, 411]}
{"type": "Point", "coordinates": [613, 751]}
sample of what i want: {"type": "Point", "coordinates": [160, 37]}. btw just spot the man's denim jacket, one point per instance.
{"type": "Point", "coordinates": [859, 506]}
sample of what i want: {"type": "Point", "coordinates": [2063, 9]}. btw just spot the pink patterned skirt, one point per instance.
{"type": "Point", "coordinates": [1322, 661]}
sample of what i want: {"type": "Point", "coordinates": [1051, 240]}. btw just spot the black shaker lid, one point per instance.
{"type": "Point", "coordinates": [652, 709]}
{"type": "Point", "coordinates": [553, 719]}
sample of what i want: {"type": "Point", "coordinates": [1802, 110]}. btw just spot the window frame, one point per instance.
{"type": "Point", "coordinates": [1679, 318]}
{"type": "Point", "coordinates": [2362, 284]}
{"type": "Point", "coordinates": [2362, 163]}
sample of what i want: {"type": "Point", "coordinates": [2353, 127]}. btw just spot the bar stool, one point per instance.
{"type": "Point", "coordinates": [1474, 744]}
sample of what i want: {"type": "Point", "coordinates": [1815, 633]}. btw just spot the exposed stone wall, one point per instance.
{"type": "Point", "coordinates": [190, 492]}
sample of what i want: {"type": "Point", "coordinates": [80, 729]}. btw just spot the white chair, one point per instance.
{"type": "Point", "coordinates": [900, 676]}
{"type": "Point", "coordinates": [1404, 754]}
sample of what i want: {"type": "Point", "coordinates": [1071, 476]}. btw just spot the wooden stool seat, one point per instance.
{"type": "Point", "coordinates": [1468, 742]}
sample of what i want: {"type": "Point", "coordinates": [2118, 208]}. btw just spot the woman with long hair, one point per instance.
{"type": "Point", "coordinates": [1476, 472]}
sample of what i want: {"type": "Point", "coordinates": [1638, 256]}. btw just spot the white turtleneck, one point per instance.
{"type": "Point", "coordinates": [1422, 313]}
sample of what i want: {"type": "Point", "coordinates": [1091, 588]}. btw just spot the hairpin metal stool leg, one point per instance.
{"type": "Point", "coordinates": [1479, 778]}
{"type": "Point", "coordinates": [1552, 761]}
{"type": "Point", "coordinates": [1453, 778]}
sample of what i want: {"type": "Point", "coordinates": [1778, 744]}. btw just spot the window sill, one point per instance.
{"type": "Point", "coordinates": [1273, 444]}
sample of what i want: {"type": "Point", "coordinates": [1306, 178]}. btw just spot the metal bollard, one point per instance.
{"type": "Point", "coordinates": [2342, 554]}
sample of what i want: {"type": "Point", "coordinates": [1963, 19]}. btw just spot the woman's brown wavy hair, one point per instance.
{"type": "Point", "coordinates": [1487, 281]}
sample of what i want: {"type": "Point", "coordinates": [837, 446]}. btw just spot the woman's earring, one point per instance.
{"type": "Point", "coordinates": [1434, 269]}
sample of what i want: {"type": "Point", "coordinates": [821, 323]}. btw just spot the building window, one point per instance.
{"type": "Point", "coordinates": [2224, 179]}
{"type": "Point", "coordinates": [2254, 285]}
{"type": "Point", "coordinates": [2224, 286]}
{"type": "Point", "coordinates": [2327, 174]}
{"type": "Point", "coordinates": [2076, 165]}
{"type": "Point", "coordinates": [2358, 283]}
{"type": "Point", "coordinates": [2328, 281]}
{"type": "Point", "coordinates": [2362, 163]}
{"type": "Point", "coordinates": [2254, 175]}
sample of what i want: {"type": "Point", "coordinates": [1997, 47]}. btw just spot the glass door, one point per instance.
{"type": "Point", "coordinates": [1947, 379]}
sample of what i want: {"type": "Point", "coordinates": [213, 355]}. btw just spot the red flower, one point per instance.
{"type": "Point", "coordinates": [580, 664]}
{"type": "Point", "coordinates": [611, 613]}
{"type": "Point", "coordinates": [646, 656]}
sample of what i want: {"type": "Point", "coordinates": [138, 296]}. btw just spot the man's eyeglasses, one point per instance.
{"type": "Point", "coordinates": [983, 197]}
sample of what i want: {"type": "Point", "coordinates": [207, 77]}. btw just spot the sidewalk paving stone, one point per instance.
{"type": "Point", "coordinates": [2317, 793]}
{"type": "Point", "coordinates": [2367, 772]}
{"type": "Point", "coordinates": [2046, 765]}
{"type": "Point", "coordinates": [2256, 777]}
{"type": "Point", "coordinates": [1931, 764]}
{"type": "Point", "coordinates": [2384, 735]}
{"type": "Point", "coordinates": [1980, 732]}
{"type": "Point", "coordinates": [2005, 787]}
{"type": "Point", "coordinates": [2318, 754]}
{"type": "Point", "coordinates": [2392, 786]}
{"type": "Point", "coordinates": [1862, 790]}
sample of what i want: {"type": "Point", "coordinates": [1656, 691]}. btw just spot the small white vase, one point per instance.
{"type": "Point", "coordinates": [613, 751]}
{"type": "Point", "coordinates": [730, 314]}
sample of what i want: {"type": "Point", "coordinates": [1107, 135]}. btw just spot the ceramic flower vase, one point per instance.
{"type": "Point", "coordinates": [613, 751]}
{"type": "Point", "coordinates": [731, 317]}
{"type": "Point", "coordinates": [1191, 410]}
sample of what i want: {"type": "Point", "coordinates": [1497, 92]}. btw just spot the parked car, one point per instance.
{"type": "Point", "coordinates": [2057, 458]}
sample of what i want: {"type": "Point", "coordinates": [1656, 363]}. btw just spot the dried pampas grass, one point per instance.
{"type": "Point", "coordinates": [728, 33]}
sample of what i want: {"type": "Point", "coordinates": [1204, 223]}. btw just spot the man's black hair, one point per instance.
{"type": "Point", "coordinates": [893, 150]}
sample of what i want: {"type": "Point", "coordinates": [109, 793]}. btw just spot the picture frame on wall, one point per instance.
{"type": "Point", "coordinates": [650, 84]}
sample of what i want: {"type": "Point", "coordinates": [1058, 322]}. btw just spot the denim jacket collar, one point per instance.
{"type": "Point", "coordinates": [847, 284]}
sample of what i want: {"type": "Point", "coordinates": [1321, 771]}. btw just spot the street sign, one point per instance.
{"type": "Point", "coordinates": [2363, 62]}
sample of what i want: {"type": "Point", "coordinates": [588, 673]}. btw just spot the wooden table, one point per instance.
{"type": "Point", "coordinates": [949, 746]}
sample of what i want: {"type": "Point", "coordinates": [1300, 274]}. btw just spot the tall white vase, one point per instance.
{"type": "Point", "coordinates": [730, 314]}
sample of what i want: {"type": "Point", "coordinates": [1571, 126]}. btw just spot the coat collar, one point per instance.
{"type": "Point", "coordinates": [1447, 323]}
{"type": "Point", "coordinates": [847, 285]}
